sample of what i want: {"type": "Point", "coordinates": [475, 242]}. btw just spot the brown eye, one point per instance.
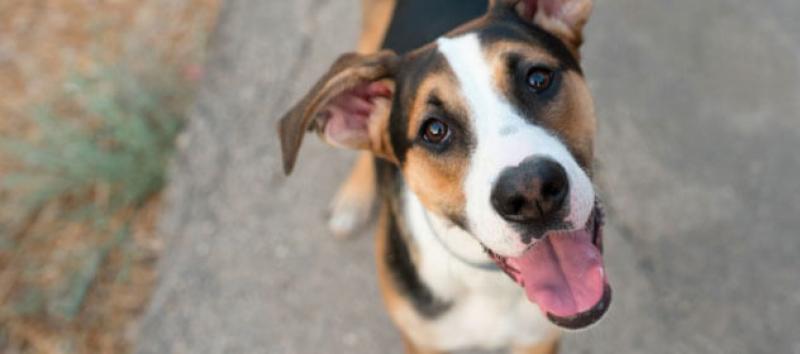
{"type": "Point", "coordinates": [540, 79]}
{"type": "Point", "coordinates": [434, 131]}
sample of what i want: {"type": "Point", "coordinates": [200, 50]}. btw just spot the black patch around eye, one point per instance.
{"type": "Point", "coordinates": [410, 76]}
{"type": "Point", "coordinates": [532, 103]}
{"type": "Point", "coordinates": [457, 140]}
{"type": "Point", "coordinates": [417, 66]}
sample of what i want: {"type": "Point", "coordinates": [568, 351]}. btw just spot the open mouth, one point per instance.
{"type": "Point", "coordinates": [563, 273]}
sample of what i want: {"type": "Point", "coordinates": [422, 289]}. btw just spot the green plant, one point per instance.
{"type": "Point", "coordinates": [118, 135]}
{"type": "Point", "coordinates": [100, 153]}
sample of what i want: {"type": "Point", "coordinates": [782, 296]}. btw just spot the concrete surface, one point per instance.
{"type": "Point", "coordinates": [699, 139]}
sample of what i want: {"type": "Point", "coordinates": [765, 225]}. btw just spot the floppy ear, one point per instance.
{"type": "Point", "coordinates": [348, 107]}
{"type": "Point", "coordinates": [563, 18]}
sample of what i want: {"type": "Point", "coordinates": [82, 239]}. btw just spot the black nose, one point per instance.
{"type": "Point", "coordinates": [533, 192]}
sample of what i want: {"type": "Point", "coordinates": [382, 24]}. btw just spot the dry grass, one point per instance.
{"type": "Point", "coordinates": [117, 294]}
{"type": "Point", "coordinates": [71, 284]}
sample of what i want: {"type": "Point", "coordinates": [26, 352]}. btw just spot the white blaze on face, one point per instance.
{"type": "Point", "coordinates": [504, 139]}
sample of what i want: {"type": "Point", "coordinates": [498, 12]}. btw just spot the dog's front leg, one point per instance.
{"type": "Point", "coordinates": [548, 347]}
{"type": "Point", "coordinates": [412, 348]}
{"type": "Point", "coordinates": [354, 203]}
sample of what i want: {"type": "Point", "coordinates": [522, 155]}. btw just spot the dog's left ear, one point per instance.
{"type": "Point", "coordinates": [348, 107]}
{"type": "Point", "coordinates": [563, 18]}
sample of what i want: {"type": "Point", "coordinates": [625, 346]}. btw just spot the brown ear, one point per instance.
{"type": "Point", "coordinates": [348, 106]}
{"type": "Point", "coordinates": [563, 18]}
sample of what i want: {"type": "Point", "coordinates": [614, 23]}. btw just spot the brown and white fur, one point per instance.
{"type": "Point", "coordinates": [439, 224]}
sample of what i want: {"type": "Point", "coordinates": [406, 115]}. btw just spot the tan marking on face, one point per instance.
{"type": "Point", "coordinates": [570, 115]}
{"type": "Point", "coordinates": [576, 123]}
{"type": "Point", "coordinates": [438, 184]}
{"type": "Point", "coordinates": [437, 179]}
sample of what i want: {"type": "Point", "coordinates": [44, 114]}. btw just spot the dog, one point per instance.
{"type": "Point", "coordinates": [478, 141]}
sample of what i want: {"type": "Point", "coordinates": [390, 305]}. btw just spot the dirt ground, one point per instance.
{"type": "Point", "coordinates": [42, 42]}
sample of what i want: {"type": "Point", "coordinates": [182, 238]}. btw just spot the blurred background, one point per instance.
{"type": "Point", "coordinates": [143, 207]}
{"type": "Point", "coordinates": [94, 94]}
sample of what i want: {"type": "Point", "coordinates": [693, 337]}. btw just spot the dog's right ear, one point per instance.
{"type": "Point", "coordinates": [563, 18]}
{"type": "Point", "coordinates": [348, 107]}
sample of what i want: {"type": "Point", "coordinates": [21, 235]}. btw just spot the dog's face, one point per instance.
{"type": "Point", "coordinates": [492, 127]}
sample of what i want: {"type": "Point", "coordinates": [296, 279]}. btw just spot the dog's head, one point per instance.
{"type": "Point", "coordinates": [492, 127]}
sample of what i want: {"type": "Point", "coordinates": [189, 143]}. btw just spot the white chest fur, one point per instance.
{"type": "Point", "coordinates": [489, 310]}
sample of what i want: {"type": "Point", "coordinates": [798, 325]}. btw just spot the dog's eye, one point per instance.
{"type": "Point", "coordinates": [434, 131]}
{"type": "Point", "coordinates": [540, 79]}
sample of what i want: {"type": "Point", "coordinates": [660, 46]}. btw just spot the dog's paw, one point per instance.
{"type": "Point", "coordinates": [349, 215]}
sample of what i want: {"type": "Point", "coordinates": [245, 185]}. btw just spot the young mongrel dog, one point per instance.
{"type": "Point", "coordinates": [483, 145]}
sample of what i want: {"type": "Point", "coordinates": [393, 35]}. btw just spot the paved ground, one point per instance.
{"type": "Point", "coordinates": [700, 134]}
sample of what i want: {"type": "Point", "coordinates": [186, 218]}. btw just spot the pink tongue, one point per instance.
{"type": "Point", "coordinates": [563, 273]}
